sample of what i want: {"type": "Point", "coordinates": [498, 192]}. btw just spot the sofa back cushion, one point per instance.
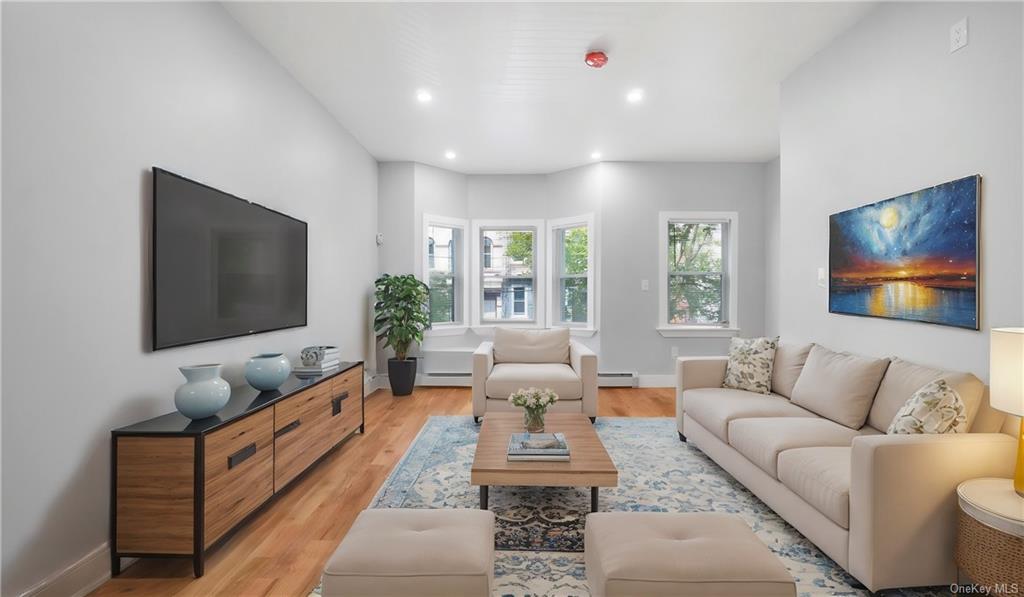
{"type": "Point", "coordinates": [531, 346]}
{"type": "Point", "coordinates": [903, 378]}
{"type": "Point", "coordinates": [789, 362]}
{"type": "Point", "coordinates": [839, 386]}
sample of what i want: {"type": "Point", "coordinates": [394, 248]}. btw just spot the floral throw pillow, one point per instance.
{"type": "Point", "coordinates": [935, 408]}
{"type": "Point", "coordinates": [750, 364]}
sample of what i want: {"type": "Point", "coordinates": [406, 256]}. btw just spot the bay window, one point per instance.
{"type": "Point", "coordinates": [507, 263]}
{"type": "Point", "coordinates": [443, 269]}
{"type": "Point", "coordinates": [572, 268]}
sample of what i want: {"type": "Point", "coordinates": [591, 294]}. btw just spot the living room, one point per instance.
{"type": "Point", "coordinates": [754, 271]}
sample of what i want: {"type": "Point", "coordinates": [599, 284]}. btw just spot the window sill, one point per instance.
{"type": "Point", "coordinates": [582, 332]}
{"type": "Point", "coordinates": [446, 330]}
{"type": "Point", "coordinates": [696, 331]}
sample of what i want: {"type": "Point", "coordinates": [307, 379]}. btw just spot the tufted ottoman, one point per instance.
{"type": "Point", "coordinates": [663, 553]}
{"type": "Point", "coordinates": [398, 551]}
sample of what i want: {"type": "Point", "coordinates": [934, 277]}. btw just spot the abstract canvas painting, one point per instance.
{"type": "Point", "coordinates": [912, 257]}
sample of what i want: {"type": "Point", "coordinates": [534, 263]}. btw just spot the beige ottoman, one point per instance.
{"type": "Point", "coordinates": [392, 551]}
{"type": "Point", "coordinates": [663, 553]}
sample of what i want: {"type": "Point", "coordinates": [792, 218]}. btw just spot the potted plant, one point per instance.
{"type": "Point", "coordinates": [401, 315]}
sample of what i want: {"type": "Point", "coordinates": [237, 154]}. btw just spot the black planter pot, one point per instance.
{"type": "Point", "coordinates": [402, 376]}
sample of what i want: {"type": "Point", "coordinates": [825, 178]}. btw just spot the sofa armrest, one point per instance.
{"type": "Point", "coordinates": [584, 363]}
{"type": "Point", "coordinates": [903, 502]}
{"type": "Point", "coordinates": [483, 362]}
{"type": "Point", "coordinates": [696, 372]}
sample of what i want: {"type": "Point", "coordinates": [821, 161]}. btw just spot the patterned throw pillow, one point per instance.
{"type": "Point", "coordinates": [935, 408]}
{"type": "Point", "coordinates": [750, 364]}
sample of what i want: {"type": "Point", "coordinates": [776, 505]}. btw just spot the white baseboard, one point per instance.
{"type": "Point", "coordinates": [376, 381]}
{"type": "Point", "coordinates": [80, 578]}
{"type": "Point", "coordinates": [657, 381]}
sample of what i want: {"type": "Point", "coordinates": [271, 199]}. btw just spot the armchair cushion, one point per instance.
{"type": "Point", "coordinates": [531, 346]}
{"type": "Point", "coordinates": [506, 378]}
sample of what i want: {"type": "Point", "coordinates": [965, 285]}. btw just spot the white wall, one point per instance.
{"type": "Point", "coordinates": [94, 95]}
{"type": "Point", "coordinates": [772, 269]}
{"type": "Point", "coordinates": [885, 110]}
{"type": "Point", "coordinates": [625, 198]}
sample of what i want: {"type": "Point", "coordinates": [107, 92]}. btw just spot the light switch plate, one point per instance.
{"type": "Point", "coordinates": [645, 285]}
{"type": "Point", "coordinates": [822, 278]}
{"type": "Point", "coordinates": [958, 35]}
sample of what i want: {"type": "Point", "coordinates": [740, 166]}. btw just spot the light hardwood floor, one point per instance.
{"type": "Point", "coordinates": [283, 549]}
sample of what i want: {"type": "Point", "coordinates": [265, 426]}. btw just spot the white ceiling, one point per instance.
{"type": "Point", "coordinates": [511, 93]}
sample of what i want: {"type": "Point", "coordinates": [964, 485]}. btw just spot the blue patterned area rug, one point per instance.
{"type": "Point", "coordinates": [539, 535]}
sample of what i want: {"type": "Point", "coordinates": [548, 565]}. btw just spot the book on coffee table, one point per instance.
{"type": "Point", "coordinates": [538, 446]}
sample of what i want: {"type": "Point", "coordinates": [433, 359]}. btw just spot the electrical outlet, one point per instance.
{"type": "Point", "coordinates": [675, 352]}
{"type": "Point", "coordinates": [645, 285]}
{"type": "Point", "coordinates": [958, 35]}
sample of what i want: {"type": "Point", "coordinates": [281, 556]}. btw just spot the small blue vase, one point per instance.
{"type": "Point", "coordinates": [267, 371]}
{"type": "Point", "coordinates": [203, 393]}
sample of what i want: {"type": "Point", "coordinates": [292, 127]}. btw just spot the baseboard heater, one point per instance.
{"type": "Point", "coordinates": [618, 380]}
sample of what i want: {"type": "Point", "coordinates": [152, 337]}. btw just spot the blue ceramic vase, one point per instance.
{"type": "Point", "coordinates": [203, 393]}
{"type": "Point", "coordinates": [267, 371]}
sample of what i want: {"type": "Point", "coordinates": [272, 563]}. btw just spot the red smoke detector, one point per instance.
{"type": "Point", "coordinates": [596, 59]}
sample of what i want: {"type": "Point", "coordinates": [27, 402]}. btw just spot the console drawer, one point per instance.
{"type": "Point", "coordinates": [300, 432]}
{"type": "Point", "coordinates": [346, 404]}
{"type": "Point", "coordinates": [239, 472]}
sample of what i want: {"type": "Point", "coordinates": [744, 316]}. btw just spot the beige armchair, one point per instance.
{"type": "Point", "coordinates": [534, 358]}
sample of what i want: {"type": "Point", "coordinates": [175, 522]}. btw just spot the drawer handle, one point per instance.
{"type": "Point", "coordinates": [336, 404]}
{"type": "Point", "coordinates": [241, 456]}
{"type": "Point", "coordinates": [288, 428]}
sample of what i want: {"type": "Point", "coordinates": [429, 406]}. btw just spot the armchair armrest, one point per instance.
{"type": "Point", "coordinates": [696, 372]}
{"type": "Point", "coordinates": [584, 363]}
{"type": "Point", "coordinates": [903, 502]}
{"type": "Point", "coordinates": [483, 362]}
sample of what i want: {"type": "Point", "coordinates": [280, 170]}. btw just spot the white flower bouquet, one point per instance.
{"type": "Point", "coordinates": [535, 403]}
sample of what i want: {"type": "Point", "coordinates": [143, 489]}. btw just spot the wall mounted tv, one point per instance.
{"type": "Point", "coordinates": [222, 267]}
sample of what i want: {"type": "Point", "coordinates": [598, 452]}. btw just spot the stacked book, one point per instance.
{"type": "Point", "coordinates": [330, 361]}
{"type": "Point", "coordinates": [538, 446]}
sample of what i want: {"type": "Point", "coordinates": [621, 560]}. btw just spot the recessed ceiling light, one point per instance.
{"type": "Point", "coordinates": [449, 154]}
{"type": "Point", "coordinates": [423, 96]}
{"type": "Point", "coordinates": [595, 155]}
{"type": "Point", "coordinates": [635, 96]}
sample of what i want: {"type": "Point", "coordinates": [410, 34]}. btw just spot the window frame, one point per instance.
{"type": "Point", "coordinates": [539, 281]}
{"type": "Point", "coordinates": [555, 226]}
{"type": "Point", "coordinates": [730, 273]}
{"type": "Point", "coordinates": [461, 274]}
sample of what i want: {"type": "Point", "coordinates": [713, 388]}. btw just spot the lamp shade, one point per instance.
{"type": "Point", "coordinates": [1006, 374]}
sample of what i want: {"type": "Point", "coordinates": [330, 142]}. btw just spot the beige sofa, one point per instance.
{"type": "Point", "coordinates": [534, 358]}
{"type": "Point", "coordinates": [882, 506]}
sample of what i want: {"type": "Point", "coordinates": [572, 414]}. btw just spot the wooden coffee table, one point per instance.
{"type": "Point", "coordinates": [588, 466]}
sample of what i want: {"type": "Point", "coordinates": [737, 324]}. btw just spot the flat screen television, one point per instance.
{"type": "Point", "coordinates": [222, 266]}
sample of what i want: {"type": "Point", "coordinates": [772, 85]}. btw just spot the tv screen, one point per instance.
{"type": "Point", "coordinates": [222, 266]}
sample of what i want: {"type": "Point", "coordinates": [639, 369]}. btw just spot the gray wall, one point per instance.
{"type": "Point", "coordinates": [772, 269]}
{"type": "Point", "coordinates": [94, 95]}
{"type": "Point", "coordinates": [885, 110]}
{"type": "Point", "coordinates": [625, 198]}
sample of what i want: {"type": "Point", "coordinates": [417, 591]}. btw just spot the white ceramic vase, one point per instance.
{"type": "Point", "coordinates": [203, 393]}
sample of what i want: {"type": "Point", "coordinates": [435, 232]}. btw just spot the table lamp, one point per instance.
{"type": "Point", "coordinates": [1006, 378]}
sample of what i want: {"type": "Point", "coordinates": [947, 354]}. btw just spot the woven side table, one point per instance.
{"type": "Point", "coordinates": [990, 535]}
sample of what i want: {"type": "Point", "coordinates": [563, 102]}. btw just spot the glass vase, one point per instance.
{"type": "Point", "coordinates": [533, 420]}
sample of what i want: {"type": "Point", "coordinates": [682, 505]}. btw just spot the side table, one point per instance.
{"type": "Point", "coordinates": [990, 535]}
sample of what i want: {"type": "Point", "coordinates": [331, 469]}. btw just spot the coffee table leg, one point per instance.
{"type": "Point", "coordinates": [593, 499]}
{"type": "Point", "coordinates": [483, 497]}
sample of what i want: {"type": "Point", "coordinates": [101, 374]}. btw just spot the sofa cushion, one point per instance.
{"type": "Point", "coordinates": [531, 346]}
{"type": "Point", "coordinates": [821, 476]}
{"type": "Point", "coordinates": [838, 385]}
{"type": "Point", "coordinates": [750, 364]}
{"type": "Point", "coordinates": [789, 362]}
{"type": "Point", "coordinates": [762, 440]}
{"type": "Point", "coordinates": [506, 378]}
{"type": "Point", "coordinates": [903, 378]}
{"type": "Point", "coordinates": [714, 408]}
